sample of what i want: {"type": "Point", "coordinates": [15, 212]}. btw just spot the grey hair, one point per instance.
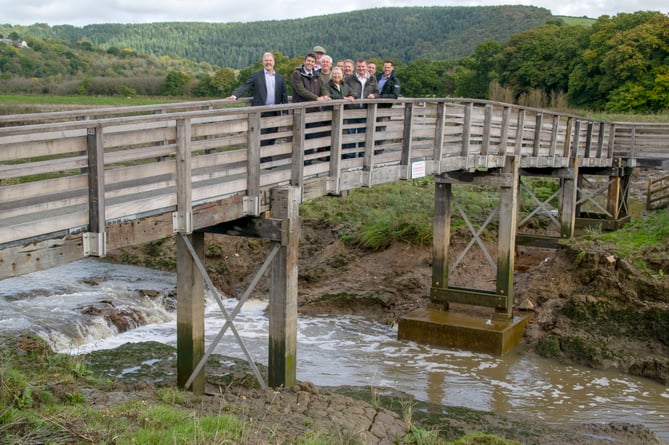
{"type": "Point", "coordinates": [326, 57]}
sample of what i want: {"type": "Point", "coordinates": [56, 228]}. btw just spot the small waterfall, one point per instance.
{"type": "Point", "coordinates": [85, 301]}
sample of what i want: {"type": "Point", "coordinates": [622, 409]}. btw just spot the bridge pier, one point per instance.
{"type": "Point", "coordinates": [282, 228]}
{"type": "Point", "coordinates": [603, 206]}
{"type": "Point", "coordinates": [479, 330]}
{"type": "Point", "coordinates": [190, 312]}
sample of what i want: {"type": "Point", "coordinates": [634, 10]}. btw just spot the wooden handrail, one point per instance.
{"type": "Point", "coordinates": [657, 196]}
{"type": "Point", "coordinates": [138, 153]}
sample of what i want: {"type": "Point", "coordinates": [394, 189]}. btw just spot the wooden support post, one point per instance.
{"type": "Point", "coordinates": [506, 242]}
{"type": "Point", "coordinates": [613, 199]}
{"type": "Point", "coordinates": [190, 312]}
{"type": "Point", "coordinates": [282, 362]}
{"type": "Point", "coordinates": [441, 237]}
{"type": "Point", "coordinates": [568, 201]}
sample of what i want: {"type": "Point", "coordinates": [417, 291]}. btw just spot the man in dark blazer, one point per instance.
{"type": "Point", "coordinates": [267, 87]}
{"type": "Point", "coordinates": [262, 83]}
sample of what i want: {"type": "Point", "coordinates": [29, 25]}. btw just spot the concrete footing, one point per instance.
{"type": "Point", "coordinates": [463, 331]}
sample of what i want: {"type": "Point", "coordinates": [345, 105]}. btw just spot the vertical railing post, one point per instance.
{"type": "Point", "coordinates": [577, 139]}
{"type": "Point", "coordinates": [554, 135]}
{"type": "Point", "coordinates": [299, 120]}
{"type": "Point", "coordinates": [612, 141]}
{"type": "Point", "coordinates": [333, 186]}
{"type": "Point", "coordinates": [588, 140]}
{"type": "Point", "coordinates": [504, 135]}
{"type": "Point", "coordinates": [407, 142]}
{"type": "Point", "coordinates": [520, 130]}
{"type": "Point", "coordinates": [182, 219]}
{"type": "Point", "coordinates": [467, 132]}
{"type": "Point", "coordinates": [252, 199]}
{"type": "Point", "coordinates": [370, 138]}
{"type": "Point", "coordinates": [487, 129]}
{"type": "Point", "coordinates": [95, 240]}
{"type": "Point", "coordinates": [600, 140]}
{"type": "Point", "coordinates": [536, 145]}
{"type": "Point", "coordinates": [439, 137]}
{"type": "Point", "coordinates": [566, 149]}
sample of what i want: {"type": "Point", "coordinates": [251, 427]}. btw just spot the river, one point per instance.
{"type": "Point", "coordinates": [332, 350]}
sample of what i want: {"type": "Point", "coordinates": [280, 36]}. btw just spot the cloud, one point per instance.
{"type": "Point", "coordinates": [83, 12]}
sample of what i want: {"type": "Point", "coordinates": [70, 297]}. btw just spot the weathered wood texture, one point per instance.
{"type": "Point", "coordinates": [69, 173]}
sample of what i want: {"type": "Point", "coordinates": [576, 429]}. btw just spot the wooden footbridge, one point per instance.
{"type": "Point", "coordinates": [81, 183]}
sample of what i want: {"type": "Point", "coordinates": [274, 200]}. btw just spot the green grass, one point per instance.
{"type": "Point", "coordinates": [643, 243]}
{"type": "Point", "coordinates": [111, 101]}
{"type": "Point", "coordinates": [373, 218]}
{"type": "Point", "coordinates": [627, 117]}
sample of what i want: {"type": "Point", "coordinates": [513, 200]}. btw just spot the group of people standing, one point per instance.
{"type": "Point", "coordinates": [316, 79]}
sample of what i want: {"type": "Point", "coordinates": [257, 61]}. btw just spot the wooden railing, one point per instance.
{"type": "Point", "coordinates": [80, 171]}
{"type": "Point", "coordinates": [657, 196]}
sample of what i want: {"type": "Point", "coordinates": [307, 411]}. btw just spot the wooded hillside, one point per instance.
{"type": "Point", "coordinates": [402, 34]}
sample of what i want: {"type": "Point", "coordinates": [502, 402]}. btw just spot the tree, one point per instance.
{"type": "Point", "coordinates": [541, 59]}
{"type": "Point", "coordinates": [625, 56]}
{"type": "Point", "coordinates": [474, 74]}
{"type": "Point", "coordinates": [175, 83]}
{"type": "Point", "coordinates": [425, 78]}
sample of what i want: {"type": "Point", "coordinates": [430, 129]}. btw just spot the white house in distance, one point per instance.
{"type": "Point", "coordinates": [16, 43]}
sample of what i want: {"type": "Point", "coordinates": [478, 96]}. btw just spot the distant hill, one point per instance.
{"type": "Point", "coordinates": [402, 34]}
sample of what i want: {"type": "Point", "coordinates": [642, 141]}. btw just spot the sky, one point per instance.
{"type": "Point", "coordinates": [85, 12]}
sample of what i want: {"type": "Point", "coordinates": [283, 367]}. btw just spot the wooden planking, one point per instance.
{"type": "Point", "coordinates": [126, 137]}
{"type": "Point", "coordinates": [39, 167]}
{"type": "Point", "coordinates": [37, 208]}
{"type": "Point", "coordinates": [138, 154]}
{"type": "Point", "coordinates": [62, 221]}
{"type": "Point", "coordinates": [37, 189]}
{"type": "Point", "coordinates": [57, 146]}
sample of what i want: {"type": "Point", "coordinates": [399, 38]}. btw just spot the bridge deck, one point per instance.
{"type": "Point", "coordinates": [136, 174]}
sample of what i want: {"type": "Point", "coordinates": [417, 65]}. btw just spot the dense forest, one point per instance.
{"type": "Point", "coordinates": [402, 34]}
{"type": "Point", "coordinates": [618, 63]}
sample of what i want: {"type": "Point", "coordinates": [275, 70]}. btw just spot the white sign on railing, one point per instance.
{"type": "Point", "coordinates": [417, 169]}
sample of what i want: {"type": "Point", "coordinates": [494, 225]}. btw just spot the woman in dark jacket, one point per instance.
{"type": "Point", "coordinates": [337, 89]}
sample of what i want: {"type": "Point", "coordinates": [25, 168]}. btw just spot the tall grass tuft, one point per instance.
{"type": "Point", "coordinates": [374, 218]}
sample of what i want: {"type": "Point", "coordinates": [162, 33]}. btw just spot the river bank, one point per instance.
{"type": "Point", "coordinates": [128, 395]}
{"type": "Point", "coordinates": [591, 305]}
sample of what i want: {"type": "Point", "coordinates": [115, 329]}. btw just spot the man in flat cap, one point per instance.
{"type": "Point", "coordinates": [318, 51]}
